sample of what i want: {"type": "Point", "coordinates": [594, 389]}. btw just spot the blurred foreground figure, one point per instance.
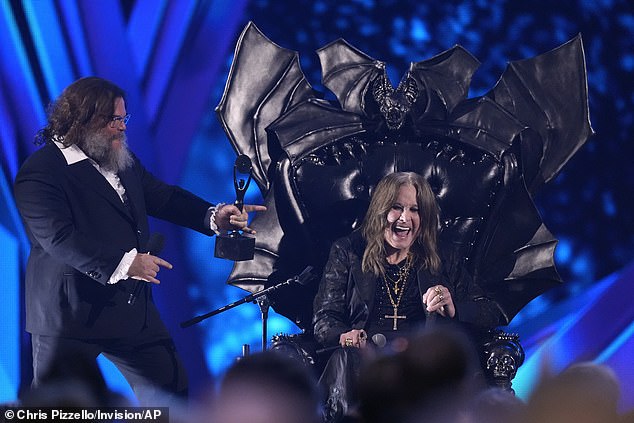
{"type": "Point", "coordinates": [495, 405]}
{"type": "Point", "coordinates": [583, 393]}
{"type": "Point", "coordinates": [266, 388]}
{"type": "Point", "coordinates": [431, 380]}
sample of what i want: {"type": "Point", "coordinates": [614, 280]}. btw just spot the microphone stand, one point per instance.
{"type": "Point", "coordinates": [264, 303]}
{"type": "Point", "coordinates": [257, 297]}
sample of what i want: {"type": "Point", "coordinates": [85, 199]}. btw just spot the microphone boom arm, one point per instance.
{"type": "Point", "coordinates": [302, 278]}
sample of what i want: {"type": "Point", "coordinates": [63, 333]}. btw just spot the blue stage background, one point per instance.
{"type": "Point", "coordinates": [172, 57]}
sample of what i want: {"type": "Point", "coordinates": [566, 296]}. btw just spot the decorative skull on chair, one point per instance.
{"type": "Point", "coordinates": [316, 163]}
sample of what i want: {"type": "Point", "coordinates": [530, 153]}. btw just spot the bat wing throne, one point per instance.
{"type": "Point", "coordinates": [316, 163]}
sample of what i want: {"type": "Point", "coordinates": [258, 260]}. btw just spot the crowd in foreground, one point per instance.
{"type": "Point", "coordinates": [430, 378]}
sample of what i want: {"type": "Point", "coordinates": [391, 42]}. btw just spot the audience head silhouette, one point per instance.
{"type": "Point", "coordinates": [267, 387]}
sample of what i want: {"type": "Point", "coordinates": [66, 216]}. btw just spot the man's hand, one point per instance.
{"type": "Point", "coordinates": [438, 299]}
{"type": "Point", "coordinates": [146, 266]}
{"type": "Point", "coordinates": [355, 338]}
{"type": "Point", "coordinates": [229, 217]}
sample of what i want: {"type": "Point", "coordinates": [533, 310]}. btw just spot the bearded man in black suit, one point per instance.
{"type": "Point", "coordinates": [85, 200]}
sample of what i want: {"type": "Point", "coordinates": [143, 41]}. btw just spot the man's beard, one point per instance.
{"type": "Point", "coordinates": [98, 146]}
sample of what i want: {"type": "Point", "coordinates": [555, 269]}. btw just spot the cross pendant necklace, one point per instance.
{"type": "Point", "coordinates": [403, 274]}
{"type": "Point", "coordinates": [395, 318]}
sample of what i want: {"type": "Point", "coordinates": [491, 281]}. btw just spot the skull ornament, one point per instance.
{"type": "Point", "coordinates": [394, 104]}
{"type": "Point", "coordinates": [502, 363]}
{"type": "Point", "coordinates": [503, 355]}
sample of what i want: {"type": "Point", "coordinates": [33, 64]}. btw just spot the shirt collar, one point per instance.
{"type": "Point", "coordinates": [72, 153]}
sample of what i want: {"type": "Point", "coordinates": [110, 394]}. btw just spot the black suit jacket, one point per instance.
{"type": "Point", "coordinates": [79, 230]}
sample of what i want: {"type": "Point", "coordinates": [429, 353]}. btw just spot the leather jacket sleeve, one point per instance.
{"type": "Point", "coordinates": [330, 317]}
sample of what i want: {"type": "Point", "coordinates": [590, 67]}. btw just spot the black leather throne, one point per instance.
{"type": "Point", "coordinates": [316, 163]}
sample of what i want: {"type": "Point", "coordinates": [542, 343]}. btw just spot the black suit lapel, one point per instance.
{"type": "Point", "coordinates": [133, 191]}
{"type": "Point", "coordinates": [86, 174]}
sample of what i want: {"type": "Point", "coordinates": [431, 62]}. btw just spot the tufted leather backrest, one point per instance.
{"type": "Point", "coordinates": [333, 186]}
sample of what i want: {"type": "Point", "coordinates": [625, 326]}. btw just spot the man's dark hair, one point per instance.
{"type": "Point", "coordinates": [86, 104]}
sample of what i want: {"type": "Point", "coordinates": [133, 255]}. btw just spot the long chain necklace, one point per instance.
{"type": "Point", "coordinates": [399, 289]}
{"type": "Point", "coordinates": [401, 276]}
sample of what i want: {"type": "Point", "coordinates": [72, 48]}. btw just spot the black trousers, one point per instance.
{"type": "Point", "coordinates": [147, 360]}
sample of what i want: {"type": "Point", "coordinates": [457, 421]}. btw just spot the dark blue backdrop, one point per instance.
{"type": "Point", "coordinates": [172, 57]}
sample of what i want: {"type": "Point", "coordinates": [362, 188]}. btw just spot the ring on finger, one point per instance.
{"type": "Point", "coordinates": [348, 342]}
{"type": "Point", "coordinates": [438, 290]}
{"type": "Point", "coordinates": [441, 297]}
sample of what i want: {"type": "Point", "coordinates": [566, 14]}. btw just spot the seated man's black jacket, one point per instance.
{"type": "Point", "coordinates": [346, 293]}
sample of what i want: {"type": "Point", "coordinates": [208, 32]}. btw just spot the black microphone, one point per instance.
{"type": "Point", "coordinates": [304, 277]}
{"type": "Point", "coordinates": [154, 247]}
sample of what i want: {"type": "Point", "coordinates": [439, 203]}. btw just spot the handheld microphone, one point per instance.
{"type": "Point", "coordinates": [154, 247]}
{"type": "Point", "coordinates": [379, 340]}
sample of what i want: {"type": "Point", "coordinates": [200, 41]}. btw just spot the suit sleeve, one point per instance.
{"type": "Point", "coordinates": [174, 204]}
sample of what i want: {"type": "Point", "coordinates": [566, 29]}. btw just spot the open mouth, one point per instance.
{"type": "Point", "coordinates": [401, 231]}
